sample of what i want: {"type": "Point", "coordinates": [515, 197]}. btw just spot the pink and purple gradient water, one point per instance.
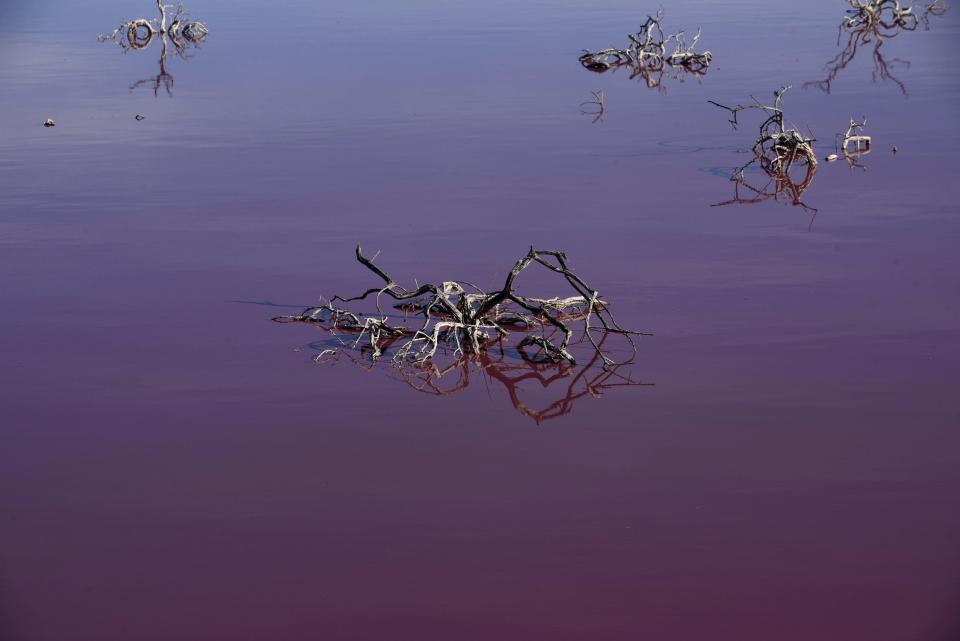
{"type": "Point", "coordinates": [175, 466]}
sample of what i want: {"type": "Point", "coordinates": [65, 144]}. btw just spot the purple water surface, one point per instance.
{"type": "Point", "coordinates": [175, 466]}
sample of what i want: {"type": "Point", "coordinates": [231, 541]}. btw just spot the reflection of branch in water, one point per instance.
{"type": "Point", "coordinates": [510, 368]}
{"type": "Point", "coordinates": [871, 22]}
{"type": "Point", "coordinates": [780, 187]}
{"type": "Point", "coordinates": [163, 78]}
{"type": "Point", "coordinates": [646, 56]}
{"type": "Point", "coordinates": [140, 33]}
{"type": "Point", "coordinates": [595, 107]}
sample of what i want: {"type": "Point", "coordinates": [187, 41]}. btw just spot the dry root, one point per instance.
{"type": "Point", "coordinates": [872, 22]}
{"type": "Point", "coordinates": [646, 55]}
{"type": "Point", "coordinates": [459, 319]}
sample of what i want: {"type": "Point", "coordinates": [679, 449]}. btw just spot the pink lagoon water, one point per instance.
{"type": "Point", "coordinates": [173, 465]}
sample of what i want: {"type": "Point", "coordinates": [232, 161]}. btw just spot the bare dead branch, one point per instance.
{"type": "Point", "coordinates": [777, 148]}
{"type": "Point", "coordinates": [873, 22]}
{"type": "Point", "coordinates": [777, 151]}
{"type": "Point", "coordinates": [458, 322]}
{"type": "Point", "coordinates": [646, 54]}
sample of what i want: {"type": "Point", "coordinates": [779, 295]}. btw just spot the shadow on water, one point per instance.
{"type": "Point", "coordinates": [872, 22]}
{"type": "Point", "coordinates": [180, 35]}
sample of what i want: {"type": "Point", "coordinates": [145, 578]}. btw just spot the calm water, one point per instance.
{"type": "Point", "coordinates": [175, 466]}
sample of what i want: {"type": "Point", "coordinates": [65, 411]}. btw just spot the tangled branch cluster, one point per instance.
{"type": "Point", "coordinates": [871, 22]}
{"type": "Point", "coordinates": [460, 319]}
{"type": "Point", "coordinates": [777, 148]}
{"type": "Point", "coordinates": [886, 18]}
{"type": "Point", "coordinates": [647, 53]}
{"type": "Point", "coordinates": [139, 33]}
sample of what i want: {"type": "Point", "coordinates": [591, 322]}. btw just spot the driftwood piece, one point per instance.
{"type": "Point", "coordinates": [459, 318]}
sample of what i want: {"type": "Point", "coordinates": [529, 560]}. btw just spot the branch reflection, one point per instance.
{"type": "Point", "coordinates": [777, 186]}
{"type": "Point", "coordinates": [540, 390]}
{"type": "Point", "coordinates": [646, 56]}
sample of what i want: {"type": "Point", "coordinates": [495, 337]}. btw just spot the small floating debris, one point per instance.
{"type": "Point", "coordinates": [140, 117]}
{"type": "Point", "coordinates": [894, 149]}
{"type": "Point", "coordinates": [49, 123]}
{"type": "Point", "coordinates": [832, 158]}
